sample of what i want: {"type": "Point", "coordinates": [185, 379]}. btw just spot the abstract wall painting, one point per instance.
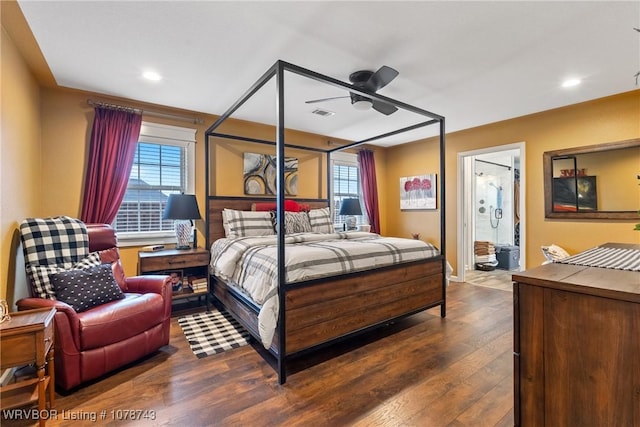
{"type": "Point", "coordinates": [260, 174]}
{"type": "Point", "coordinates": [418, 192]}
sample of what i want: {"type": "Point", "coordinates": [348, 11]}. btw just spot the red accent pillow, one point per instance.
{"type": "Point", "coordinates": [289, 206]}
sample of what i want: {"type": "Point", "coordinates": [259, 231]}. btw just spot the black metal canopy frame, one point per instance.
{"type": "Point", "coordinates": [278, 71]}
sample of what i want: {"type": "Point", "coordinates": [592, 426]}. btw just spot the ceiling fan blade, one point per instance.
{"type": "Point", "coordinates": [380, 78]}
{"type": "Point", "coordinates": [384, 108]}
{"type": "Point", "coordinates": [325, 99]}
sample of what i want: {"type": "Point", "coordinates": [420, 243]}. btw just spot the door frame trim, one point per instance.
{"type": "Point", "coordinates": [464, 213]}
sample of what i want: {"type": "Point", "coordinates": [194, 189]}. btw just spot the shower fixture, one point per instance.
{"type": "Point", "coordinates": [497, 213]}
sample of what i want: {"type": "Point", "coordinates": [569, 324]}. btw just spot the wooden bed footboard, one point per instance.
{"type": "Point", "coordinates": [320, 312]}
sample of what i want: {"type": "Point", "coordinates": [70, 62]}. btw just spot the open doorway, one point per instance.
{"type": "Point", "coordinates": [491, 217]}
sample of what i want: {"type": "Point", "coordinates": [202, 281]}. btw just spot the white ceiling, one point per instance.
{"type": "Point", "coordinates": [472, 62]}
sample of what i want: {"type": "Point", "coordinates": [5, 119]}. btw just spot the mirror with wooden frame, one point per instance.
{"type": "Point", "coordinates": [593, 182]}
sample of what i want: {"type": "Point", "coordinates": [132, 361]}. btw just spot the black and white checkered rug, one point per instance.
{"type": "Point", "coordinates": [213, 332]}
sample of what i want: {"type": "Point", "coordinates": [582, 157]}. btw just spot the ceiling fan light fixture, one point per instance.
{"type": "Point", "coordinates": [363, 104]}
{"type": "Point", "coordinates": [367, 82]}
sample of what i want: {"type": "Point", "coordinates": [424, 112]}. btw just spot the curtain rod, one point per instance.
{"type": "Point", "coordinates": [145, 112]}
{"type": "Point", "coordinates": [492, 163]}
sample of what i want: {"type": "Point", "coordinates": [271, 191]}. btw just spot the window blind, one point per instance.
{"type": "Point", "coordinates": [164, 163]}
{"type": "Point", "coordinates": [346, 185]}
{"type": "Point", "coordinates": [158, 170]}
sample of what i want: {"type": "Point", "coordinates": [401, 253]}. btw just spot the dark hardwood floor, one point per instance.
{"type": "Point", "coordinates": [421, 371]}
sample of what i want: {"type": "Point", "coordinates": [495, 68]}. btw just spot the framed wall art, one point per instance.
{"type": "Point", "coordinates": [418, 192]}
{"type": "Point", "coordinates": [259, 174]}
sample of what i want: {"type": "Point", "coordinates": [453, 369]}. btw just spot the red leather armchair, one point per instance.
{"type": "Point", "coordinates": [92, 343]}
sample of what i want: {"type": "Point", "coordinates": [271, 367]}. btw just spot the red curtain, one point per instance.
{"type": "Point", "coordinates": [369, 188]}
{"type": "Point", "coordinates": [114, 138]}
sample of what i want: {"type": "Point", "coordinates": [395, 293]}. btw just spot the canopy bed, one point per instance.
{"type": "Point", "coordinates": [361, 287]}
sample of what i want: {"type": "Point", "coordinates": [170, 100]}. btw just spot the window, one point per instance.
{"type": "Point", "coordinates": [346, 185]}
{"type": "Point", "coordinates": [163, 164]}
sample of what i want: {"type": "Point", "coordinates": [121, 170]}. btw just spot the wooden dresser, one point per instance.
{"type": "Point", "coordinates": [577, 346]}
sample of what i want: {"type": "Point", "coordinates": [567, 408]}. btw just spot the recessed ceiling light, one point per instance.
{"type": "Point", "coordinates": [152, 75]}
{"type": "Point", "coordinates": [571, 82]}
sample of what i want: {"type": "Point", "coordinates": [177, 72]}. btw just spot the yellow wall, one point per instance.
{"type": "Point", "coordinates": [66, 131]}
{"type": "Point", "coordinates": [66, 120]}
{"type": "Point", "coordinates": [409, 160]}
{"type": "Point", "coordinates": [603, 120]}
{"type": "Point", "coordinates": [45, 132]}
{"type": "Point", "coordinates": [227, 158]}
{"type": "Point", "coordinates": [66, 128]}
{"type": "Point", "coordinates": [20, 159]}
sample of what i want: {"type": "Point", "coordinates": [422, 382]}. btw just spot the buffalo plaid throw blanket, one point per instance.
{"type": "Point", "coordinates": [51, 245]}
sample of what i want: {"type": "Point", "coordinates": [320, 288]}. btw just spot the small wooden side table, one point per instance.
{"type": "Point", "coordinates": [188, 266]}
{"type": "Point", "coordinates": [27, 338]}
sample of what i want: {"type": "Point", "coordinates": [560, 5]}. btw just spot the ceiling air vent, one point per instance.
{"type": "Point", "coordinates": [323, 113]}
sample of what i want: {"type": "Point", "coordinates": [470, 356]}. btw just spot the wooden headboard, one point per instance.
{"type": "Point", "coordinates": [216, 204]}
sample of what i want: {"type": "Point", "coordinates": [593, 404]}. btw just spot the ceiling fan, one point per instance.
{"type": "Point", "coordinates": [371, 82]}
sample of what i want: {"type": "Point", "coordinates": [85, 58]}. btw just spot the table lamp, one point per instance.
{"type": "Point", "coordinates": [182, 208]}
{"type": "Point", "coordinates": [350, 207]}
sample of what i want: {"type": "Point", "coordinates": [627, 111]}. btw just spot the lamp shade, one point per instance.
{"type": "Point", "coordinates": [181, 206]}
{"type": "Point", "coordinates": [350, 207]}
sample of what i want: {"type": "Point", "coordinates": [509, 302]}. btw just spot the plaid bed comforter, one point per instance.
{"type": "Point", "coordinates": [250, 262]}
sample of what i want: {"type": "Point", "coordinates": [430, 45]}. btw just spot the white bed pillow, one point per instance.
{"type": "Point", "coordinates": [320, 220]}
{"type": "Point", "coordinates": [554, 253]}
{"type": "Point", "coordinates": [246, 223]}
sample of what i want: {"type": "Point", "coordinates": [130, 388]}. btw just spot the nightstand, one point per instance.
{"type": "Point", "coordinates": [188, 268]}
{"type": "Point", "coordinates": [27, 338]}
